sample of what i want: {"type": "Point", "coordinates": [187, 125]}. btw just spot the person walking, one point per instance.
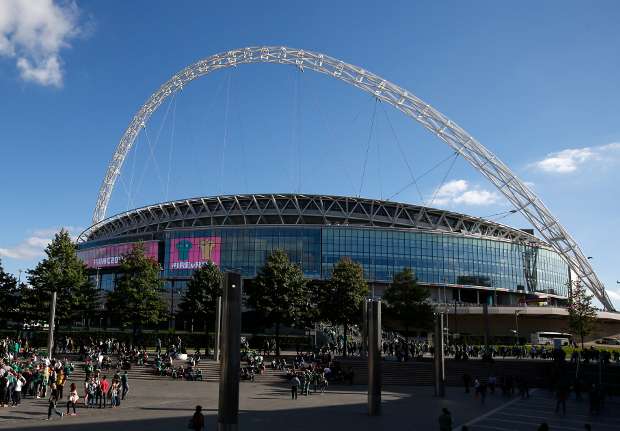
{"type": "Point", "coordinates": [561, 395]}
{"type": "Point", "coordinates": [445, 420]}
{"type": "Point", "coordinates": [197, 422]}
{"type": "Point", "coordinates": [294, 385]}
{"type": "Point", "coordinates": [53, 399]}
{"type": "Point", "coordinates": [73, 398]}
{"type": "Point", "coordinates": [125, 383]}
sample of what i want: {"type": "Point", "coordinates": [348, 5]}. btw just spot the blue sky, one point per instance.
{"type": "Point", "coordinates": [536, 82]}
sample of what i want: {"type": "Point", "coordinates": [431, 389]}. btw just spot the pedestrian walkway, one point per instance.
{"type": "Point", "coordinates": [529, 414]}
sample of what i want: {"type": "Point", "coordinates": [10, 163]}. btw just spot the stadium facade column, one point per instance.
{"type": "Point", "coordinates": [365, 329]}
{"type": "Point", "coordinates": [218, 328]}
{"type": "Point", "coordinates": [373, 311]}
{"type": "Point", "coordinates": [228, 408]}
{"type": "Point", "coordinates": [438, 359]}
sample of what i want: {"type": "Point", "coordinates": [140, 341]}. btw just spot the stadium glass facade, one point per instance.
{"type": "Point", "coordinates": [436, 258]}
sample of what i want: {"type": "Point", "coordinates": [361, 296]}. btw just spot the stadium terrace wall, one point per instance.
{"type": "Point", "coordinates": [445, 249]}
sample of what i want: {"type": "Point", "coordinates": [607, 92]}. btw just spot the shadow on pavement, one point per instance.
{"type": "Point", "coordinates": [405, 412]}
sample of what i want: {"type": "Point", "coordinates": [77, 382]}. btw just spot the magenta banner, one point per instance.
{"type": "Point", "coordinates": [111, 255]}
{"type": "Point", "coordinates": [193, 252]}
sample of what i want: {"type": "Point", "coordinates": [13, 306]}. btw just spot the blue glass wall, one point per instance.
{"type": "Point", "coordinates": [436, 258]}
{"type": "Point", "coordinates": [246, 249]}
{"type": "Point", "coordinates": [445, 258]}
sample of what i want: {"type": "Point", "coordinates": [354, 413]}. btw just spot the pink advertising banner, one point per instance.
{"type": "Point", "coordinates": [193, 252]}
{"type": "Point", "coordinates": [111, 255]}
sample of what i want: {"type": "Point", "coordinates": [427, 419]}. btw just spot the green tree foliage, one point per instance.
{"type": "Point", "coordinates": [136, 301]}
{"type": "Point", "coordinates": [407, 305]}
{"type": "Point", "coordinates": [581, 313]}
{"type": "Point", "coordinates": [342, 297]}
{"type": "Point", "coordinates": [199, 301]}
{"type": "Point", "coordinates": [279, 294]}
{"type": "Point", "coordinates": [9, 296]}
{"type": "Point", "coordinates": [61, 271]}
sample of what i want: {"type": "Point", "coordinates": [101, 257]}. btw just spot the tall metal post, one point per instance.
{"type": "Point", "coordinates": [374, 357]}
{"type": "Point", "coordinates": [228, 409]}
{"type": "Point", "coordinates": [50, 334]}
{"type": "Point", "coordinates": [365, 328]}
{"type": "Point", "coordinates": [218, 328]}
{"type": "Point", "coordinates": [438, 360]}
{"type": "Point", "coordinates": [485, 314]}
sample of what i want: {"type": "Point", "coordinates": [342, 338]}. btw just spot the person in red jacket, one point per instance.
{"type": "Point", "coordinates": [105, 387]}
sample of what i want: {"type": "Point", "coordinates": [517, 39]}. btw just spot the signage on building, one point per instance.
{"type": "Point", "coordinates": [111, 255]}
{"type": "Point", "coordinates": [193, 252]}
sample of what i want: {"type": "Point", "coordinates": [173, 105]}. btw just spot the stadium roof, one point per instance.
{"type": "Point", "coordinates": [295, 209]}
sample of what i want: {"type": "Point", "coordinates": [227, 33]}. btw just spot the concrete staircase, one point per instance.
{"type": "Point", "coordinates": [210, 373]}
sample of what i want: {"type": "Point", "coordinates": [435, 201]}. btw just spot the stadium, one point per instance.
{"type": "Point", "coordinates": [493, 279]}
{"type": "Point", "coordinates": [464, 261]}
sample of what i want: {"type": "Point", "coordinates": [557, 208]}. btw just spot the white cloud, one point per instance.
{"type": "Point", "coordinates": [33, 245]}
{"type": "Point", "coordinates": [33, 32]}
{"type": "Point", "coordinates": [477, 197]}
{"type": "Point", "coordinates": [461, 192]}
{"type": "Point", "coordinates": [613, 294]}
{"type": "Point", "coordinates": [571, 159]}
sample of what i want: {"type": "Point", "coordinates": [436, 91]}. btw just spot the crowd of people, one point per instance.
{"type": "Point", "coordinates": [24, 373]}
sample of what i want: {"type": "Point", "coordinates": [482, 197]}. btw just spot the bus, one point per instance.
{"type": "Point", "coordinates": [547, 338]}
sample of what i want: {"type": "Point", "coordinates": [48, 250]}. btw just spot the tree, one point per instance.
{"type": "Point", "coordinates": [201, 296]}
{"type": "Point", "coordinates": [9, 296]}
{"type": "Point", "coordinates": [343, 295]}
{"type": "Point", "coordinates": [61, 271]}
{"type": "Point", "coordinates": [137, 300]}
{"type": "Point", "coordinates": [279, 294]}
{"type": "Point", "coordinates": [581, 313]}
{"type": "Point", "coordinates": [407, 303]}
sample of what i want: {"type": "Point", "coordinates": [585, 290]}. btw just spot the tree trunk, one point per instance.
{"type": "Point", "coordinates": [345, 350]}
{"type": "Point", "coordinates": [277, 340]}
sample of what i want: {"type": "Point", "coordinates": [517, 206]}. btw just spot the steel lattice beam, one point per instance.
{"type": "Point", "coordinates": [521, 196]}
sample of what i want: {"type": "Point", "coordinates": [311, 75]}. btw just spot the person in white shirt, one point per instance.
{"type": "Point", "coordinates": [294, 385]}
{"type": "Point", "coordinates": [19, 384]}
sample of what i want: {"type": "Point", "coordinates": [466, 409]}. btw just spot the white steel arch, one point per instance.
{"type": "Point", "coordinates": [483, 160]}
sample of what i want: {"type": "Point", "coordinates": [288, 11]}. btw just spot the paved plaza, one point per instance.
{"type": "Point", "coordinates": [164, 404]}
